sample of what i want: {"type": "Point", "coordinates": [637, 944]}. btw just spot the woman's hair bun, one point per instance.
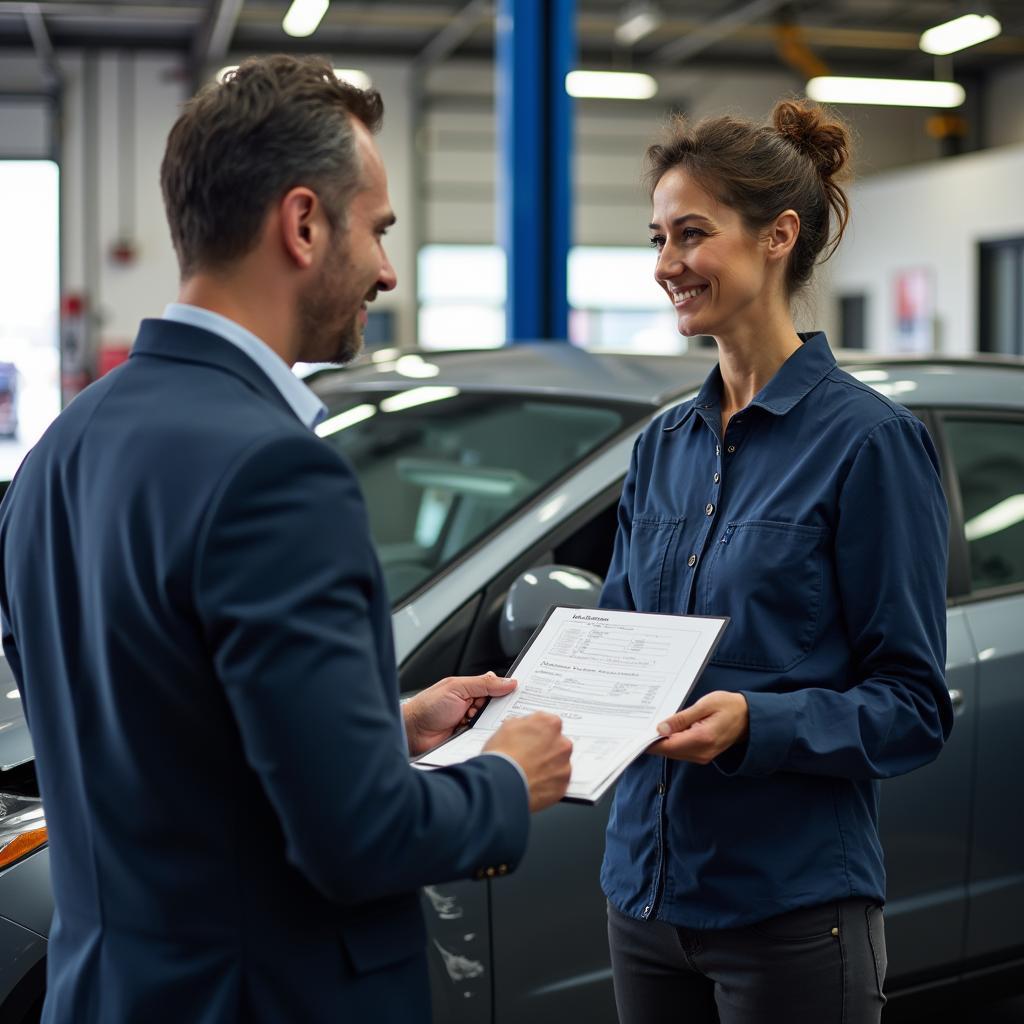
{"type": "Point", "coordinates": [816, 133]}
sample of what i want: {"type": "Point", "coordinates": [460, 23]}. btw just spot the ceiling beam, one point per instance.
{"type": "Point", "coordinates": [719, 28]}
{"type": "Point", "coordinates": [448, 40]}
{"type": "Point", "coordinates": [213, 38]}
{"type": "Point", "coordinates": [42, 45]}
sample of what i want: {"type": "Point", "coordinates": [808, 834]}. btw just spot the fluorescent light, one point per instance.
{"type": "Point", "coordinates": [360, 79]}
{"type": "Point", "coordinates": [1009, 512]}
{"type": "Point", "coordinates": [638, 20]}
{"type": "Point", "coordinates": [610, 85]}
{"type": "Point", "coordinates": [348, 418]}
{"type": "Point", "coordinates": [13, 695]}
{"type": "Point", "coordinates": [303, 17]}
{"type": "Point", "coordinates": [890, 92]}
{"type": "Point", "coordinates": [417, 396]}
{"type": "Point", "coordinates": [960, 33]}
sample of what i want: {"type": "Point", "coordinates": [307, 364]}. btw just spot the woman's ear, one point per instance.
{"type": "Point", "coordinates": [782, 235]}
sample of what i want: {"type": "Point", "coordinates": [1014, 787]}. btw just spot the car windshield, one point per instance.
{"type": "Point", "coordinates": [441, 468]}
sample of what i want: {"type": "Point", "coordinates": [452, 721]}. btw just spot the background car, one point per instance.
{"type": "Point", "coordinates": [495, 472]}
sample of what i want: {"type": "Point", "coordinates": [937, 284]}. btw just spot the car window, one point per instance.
{"type": "Point", "coordinates": [441, 468]}
{"type": "Point", "coordinates": [989, 460]}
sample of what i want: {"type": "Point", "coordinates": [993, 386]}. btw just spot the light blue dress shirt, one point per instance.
{"type": "Point", "coordinates": [309, 409]}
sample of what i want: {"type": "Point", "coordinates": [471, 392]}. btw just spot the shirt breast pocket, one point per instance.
{"type": "Point", "coordinates": [768, 578]}
{"type": "Point", "coordinates": [652, 562]}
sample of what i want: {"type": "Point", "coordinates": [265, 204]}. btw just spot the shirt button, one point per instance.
{"type": "Point", "coordinates": [661, 789]}
{"type": "Point", "coordinates": [691, 561]}
{"type": "Point", "coordinates": [709, 509]}
{"type": "Point", "coordinates": [647, 910]}
{"type": "Point", "coordinates": [731, 449]}
{"type": "Point", "coordinates": [717, 478]}
{"type": "Point", "coordinates": [718, 451]}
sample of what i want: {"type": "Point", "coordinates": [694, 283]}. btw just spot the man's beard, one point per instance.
{"type": "Point", "coordinates": [321, 308]}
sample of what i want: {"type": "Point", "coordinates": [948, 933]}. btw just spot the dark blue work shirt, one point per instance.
{"type": "Point", "coordinates": [819, 525]}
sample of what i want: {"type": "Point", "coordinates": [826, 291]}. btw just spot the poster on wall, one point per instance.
{"type": "Point", "coordinates": [915, 310]}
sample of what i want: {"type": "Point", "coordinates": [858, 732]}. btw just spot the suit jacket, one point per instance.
{"type": "Point", "coordinates": [197, 621]}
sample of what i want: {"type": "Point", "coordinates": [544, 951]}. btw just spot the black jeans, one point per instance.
{"type": "Point", "coordinates": [818, 965]}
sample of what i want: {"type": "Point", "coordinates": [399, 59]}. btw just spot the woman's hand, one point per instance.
{"type": "Point", "coordinates": [701, 732]}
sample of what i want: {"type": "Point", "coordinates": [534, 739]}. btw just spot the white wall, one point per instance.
{"type": "Point", "coordinates": [932, 216]}
{"type": "Point", "coordinates": [126, 294]}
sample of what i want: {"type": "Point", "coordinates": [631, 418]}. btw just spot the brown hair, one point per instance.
{"type": "Point", "coordinates": [276, 122]}
{"type": "Point", "coordinates": [792, 163]}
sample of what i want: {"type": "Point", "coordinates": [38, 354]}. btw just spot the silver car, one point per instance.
{"type": "Point", "coordinates": [492, 480]}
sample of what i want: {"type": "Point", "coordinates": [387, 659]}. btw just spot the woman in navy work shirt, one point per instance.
{"type": "Point", "coordinates": [743, 867]}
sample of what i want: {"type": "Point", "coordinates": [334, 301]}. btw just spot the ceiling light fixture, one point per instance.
{"type": "Point", "coordinates": [303, 17]}
{"type": "Point", "coordinates": [610, 85]}
{"type": "Point", "coordinates": [638, 20]}
{"type": "Point", "coordinates": [888, 92]}
{"type": "Point", "coordinates": [958, 34]}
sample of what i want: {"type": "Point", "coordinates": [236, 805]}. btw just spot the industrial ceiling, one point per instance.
{"type": "Point", "coordinates": [878, 37]}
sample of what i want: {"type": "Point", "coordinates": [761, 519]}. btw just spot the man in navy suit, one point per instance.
{"type": "Point", "coordinates": [199, 629]}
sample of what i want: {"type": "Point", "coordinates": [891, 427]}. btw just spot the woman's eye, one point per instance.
{"type": "Point", "coordinates": [690, 234]}
{"type": "Point", "coordinates": [657, 241]}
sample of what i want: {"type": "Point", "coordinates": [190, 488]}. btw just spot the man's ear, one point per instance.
{"type": "Point", "coordinates": [300, 219]}
{"type": "Point", "coordinates": [782, 235]}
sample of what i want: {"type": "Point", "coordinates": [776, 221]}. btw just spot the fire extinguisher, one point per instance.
{"type": "Point", "coordinates": [74, 346]}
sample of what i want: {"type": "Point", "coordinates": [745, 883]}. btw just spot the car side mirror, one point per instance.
{"type": "Point", "coordinates": [534, 592]}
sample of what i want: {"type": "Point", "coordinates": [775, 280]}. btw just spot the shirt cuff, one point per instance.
{"type": "Point", "coordinates": [512, 761]}
{"type": "Point", "coordinates": [770, 735]}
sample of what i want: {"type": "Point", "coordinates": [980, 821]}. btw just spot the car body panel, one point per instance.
{"type": "Point", "coordinates": [26, 896]}
{"type": "Point", "coordinates": [925, 820]}
{"type": "Point", "coordinates": [21, 950]}
{"type": "Point", "coordinates": [996, 881]}
{"type": "Point", "coordinates": [15, 741]}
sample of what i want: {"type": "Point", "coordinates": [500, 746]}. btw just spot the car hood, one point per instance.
{"type": "Point", "coordinates": [15, 743]}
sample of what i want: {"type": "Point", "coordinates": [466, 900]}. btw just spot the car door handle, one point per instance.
{"type": "Point", "coordinates": [956, 698]}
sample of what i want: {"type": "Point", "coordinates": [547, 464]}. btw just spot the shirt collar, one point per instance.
{"type": "Point", "coordinates": [801, 372]}
{"type": "Point", "coordinates": [306, 406]}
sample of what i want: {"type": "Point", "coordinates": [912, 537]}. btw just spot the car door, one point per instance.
{"type": "Point", "coordinates": [924, 817]}
{"type": "Point", "coordinates": [987, 449]}
{"type": "Point", "coordinates": [548, 919]}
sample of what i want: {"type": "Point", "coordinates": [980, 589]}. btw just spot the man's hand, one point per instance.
{"type": "Point", "coordinates": [436, 712]}
{"type": "Point", "coordinates": [537, 745]}
{"type": "Point", "coordinates": [701, 732]}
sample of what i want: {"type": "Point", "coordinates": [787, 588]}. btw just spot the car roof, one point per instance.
{"type": "Point", "coordinates": [554, 368]}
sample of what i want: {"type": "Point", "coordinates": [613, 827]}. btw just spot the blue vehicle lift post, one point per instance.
{"type": "Point", "coordinates": [536, 49]}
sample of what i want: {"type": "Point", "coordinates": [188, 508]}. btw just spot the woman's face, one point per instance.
{"type": "Point", "coordinates": [712, 268]}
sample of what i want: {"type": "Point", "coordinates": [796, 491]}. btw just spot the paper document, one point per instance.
{"type": "Point", "coordinates": [611, 676]}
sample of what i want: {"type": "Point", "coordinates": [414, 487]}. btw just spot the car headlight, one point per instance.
{"type": "Point", "coordinates": [22, 827]}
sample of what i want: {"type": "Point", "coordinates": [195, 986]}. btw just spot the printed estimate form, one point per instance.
{"type": "Point", "coordinates": [611, 676]}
